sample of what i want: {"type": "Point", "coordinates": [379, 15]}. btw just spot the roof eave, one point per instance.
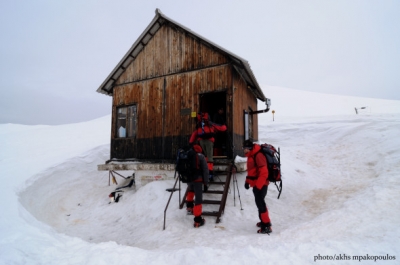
{"type": "Point", "coordinates": [107, 86]}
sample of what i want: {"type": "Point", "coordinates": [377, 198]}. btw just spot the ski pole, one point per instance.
{"type": "Point", "coordinates": [237, 186]}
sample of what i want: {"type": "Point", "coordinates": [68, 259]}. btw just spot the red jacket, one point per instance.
{"type": "Point", "coordinates": [207, 134]}
{"type": "Point", "coordinates": [257, 170]}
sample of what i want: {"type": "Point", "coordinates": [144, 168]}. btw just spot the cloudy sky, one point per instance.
{"type": "Point", "coordinates": [55, 54]}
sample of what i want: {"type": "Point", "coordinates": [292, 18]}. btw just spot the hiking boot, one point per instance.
{"type": "Point", "coordinates": [264, 229]}
{"type": "Point", "coordinates": [259, 224]}
{"type": "Point", "coordinates": [199, 221]}
{"type": "Point", "coordinates": [189, 208]}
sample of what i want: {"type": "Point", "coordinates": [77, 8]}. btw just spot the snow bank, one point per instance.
{"type": "Point", "coordinates": [340, 196]}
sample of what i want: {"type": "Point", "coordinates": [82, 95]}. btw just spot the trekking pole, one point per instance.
{"type": "Point", "coordinates": [176, 164]}
{"type": "Point", "coordinates": [237, 186]}
{"type": "Point", "coordinates": [234, 174]}
{"type": "Point", "coordinates": [234, 193]}
{"type": "Point", "coordinates": [170, 196]}
{"type": "Point", "coordinates": [179, 199]}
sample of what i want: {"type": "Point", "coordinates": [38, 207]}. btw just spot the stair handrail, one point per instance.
{"type": "Point", "coordinates": [170, 196]}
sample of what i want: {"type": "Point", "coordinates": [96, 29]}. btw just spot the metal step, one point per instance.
{"type": "Point", "coordinates": [211, 202]}
{"type": "Point", "coordinates": [214, 192]}
{"type": "Point", "coordinates": [210, 213]}
{"type": "Point", "coordinates": [217, 182]}
{"type": "Point", "coordinates": [222, 179]}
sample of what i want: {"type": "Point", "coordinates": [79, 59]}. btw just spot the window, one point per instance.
{"type": "Point", "coordinates": [126, 121]}
{"type": "Point", "coordinates": [251, 125]}
{"type": "Point", "coordinates": [248, 124]}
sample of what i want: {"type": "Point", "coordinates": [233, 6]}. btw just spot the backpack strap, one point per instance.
{"type": "Point", "coordinates": [279, 188]}
{"type": "Point", "coordinates": [254, 157]}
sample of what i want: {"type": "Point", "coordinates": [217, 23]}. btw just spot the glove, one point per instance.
{"type": "Point", "coordinates": [205, 188]}
{"type": "Point", "coordinates": [246, 185]}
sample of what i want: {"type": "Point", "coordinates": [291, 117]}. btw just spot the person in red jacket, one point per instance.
{"type": "Point", "coordinates": [204, 134]}
{"type": "Point", "coordinates": [257, 178]}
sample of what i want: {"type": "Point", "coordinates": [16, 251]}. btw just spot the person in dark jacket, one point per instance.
{"type": "Point", "coordinates": [194, 196]}
{"type": "Point", "coordinates": [257, 178]}
{"type": "Point", "coordinates": [219, 117]}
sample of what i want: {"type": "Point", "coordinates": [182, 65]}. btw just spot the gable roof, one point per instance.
{"type": "Point", "coordinates": [241, 65]}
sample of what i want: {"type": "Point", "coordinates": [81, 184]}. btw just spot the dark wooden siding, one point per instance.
{"type": "Point", "coordinates": [165, 81]}
{"type": "Point", "coordinates": [170, 51]}
{"type": "Point", "coordinates": [242, 100]}
{"type": "Point", "coordinates": [163, 106]}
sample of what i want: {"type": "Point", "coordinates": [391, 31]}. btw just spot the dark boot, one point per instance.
{"type": "Point", "coordinates": [211, 175]}
{"type": "Point", "coordinates": [199, 221]}
{"type": "Point", "coordinates": [189, 208]}
{"type": "Point", "coordinates": [265, 228]}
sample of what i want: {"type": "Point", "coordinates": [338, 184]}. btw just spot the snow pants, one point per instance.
{"type": "Point", "coordinates": [259, 197]}
{"type": "Point", "coordinates": [195, 193]}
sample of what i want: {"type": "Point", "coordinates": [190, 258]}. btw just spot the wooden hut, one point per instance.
{"type": "Point", "coordinates": [168, 75]}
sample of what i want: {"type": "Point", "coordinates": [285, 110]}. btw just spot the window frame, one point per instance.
{"type": "Point", "coordinates": [248, 124]}
{"type": "Point", "coordinates": [127, 119]}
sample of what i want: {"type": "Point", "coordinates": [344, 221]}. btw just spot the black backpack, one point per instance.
{"type": "Point", "coordinates": [186, 165]}
{"type": "Point", "coordinates": [274, 165]}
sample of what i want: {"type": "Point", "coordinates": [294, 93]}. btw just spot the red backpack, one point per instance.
{"type": "Point", "coordinates": [202, 116]}
{"type": "Point", "coordinates": [205, 130]}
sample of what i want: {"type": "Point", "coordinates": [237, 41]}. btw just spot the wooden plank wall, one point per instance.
{"type": "Point", "coordinates": [170, 51]}
{"type": "Point", "coordinates": [181, 92]}
{"type": "Point", "coordinates": [165, 81]}
{"type": "Point", "coordinates": [242, 100]}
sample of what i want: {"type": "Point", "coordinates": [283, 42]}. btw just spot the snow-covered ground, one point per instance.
{"type": "Point", "coordinates": [340, 194]}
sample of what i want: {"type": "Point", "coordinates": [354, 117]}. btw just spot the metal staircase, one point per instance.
{"type": "Point", "coordinates": [218, 189]}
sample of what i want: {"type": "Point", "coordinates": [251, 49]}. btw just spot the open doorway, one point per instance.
{"type": "Point", "coordinates": [212, 103]}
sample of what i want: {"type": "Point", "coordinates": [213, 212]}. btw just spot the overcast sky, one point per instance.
{"type": "Point", "coordinates": [55, 54]}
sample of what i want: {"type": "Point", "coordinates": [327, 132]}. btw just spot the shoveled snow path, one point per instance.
{"type": "Point", "coordinates": [340, 184]}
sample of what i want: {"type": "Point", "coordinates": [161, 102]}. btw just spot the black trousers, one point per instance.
{"type": "Point", "coordinates": [259, 197]}
{"type": "Point", "coordinates": [197, 188]}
